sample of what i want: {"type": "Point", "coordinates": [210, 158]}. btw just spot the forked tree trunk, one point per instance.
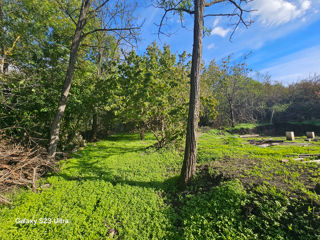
{"type": "Point", "coordinates": [55, 127]}
{"type": "Point", "coordinates": [190, 155]}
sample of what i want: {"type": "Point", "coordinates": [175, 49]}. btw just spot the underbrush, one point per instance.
{"type": "Point", "coordinates": [231, 211]}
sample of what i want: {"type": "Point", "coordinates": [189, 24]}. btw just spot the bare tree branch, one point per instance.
{"type": "Point", "coordinates": [239, 12]}
{"type": "Point", "coordinates": [241, 19]}
{"type": "Point", "coordinates": [101, 6]}
{"type": "Point", "coordinates": [213, 2]}
{"type": "Point", "coordinates": [109, 30]}
{"type": "Point", "coordinates": [221, 15]}
{"type": "Point", "coordinates": [171, 8]}
{"type": "Point", "coordinates": [66, 11]}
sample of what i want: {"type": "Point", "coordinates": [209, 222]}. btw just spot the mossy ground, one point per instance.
{"type": "Point", "coordinates": [241, 191]}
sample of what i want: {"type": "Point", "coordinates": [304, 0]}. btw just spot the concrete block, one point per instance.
{"type": "Point", "coordinates": [311, 135]}
{"type": "Point", "coordinates": [290, 136]}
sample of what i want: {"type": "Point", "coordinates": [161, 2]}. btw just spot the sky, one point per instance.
{"type": "Point", "coordinates": [283, 40]}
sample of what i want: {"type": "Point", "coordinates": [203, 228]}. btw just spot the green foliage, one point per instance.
{"type": "Point", "coordinates": [243, 99]}
{"type": "Point", "coordinates": [155, 93]}
{"type": "Point", "coordinates": [216, 214]}
{"type": "Point", "coordinates": [307, 122]}
{"type": "Point", "coordinates": [239, 97]}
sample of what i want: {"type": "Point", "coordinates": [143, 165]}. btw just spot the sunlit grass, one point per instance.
{"type": "Point", "coordinates": [125, 185]}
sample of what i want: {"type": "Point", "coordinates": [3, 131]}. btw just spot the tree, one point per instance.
{"type": "Point", "coordinates": [36, 63]}
{"type": "Point", "coordinates": [118, 22]}
{"type": "Point", "coordinates": [154, 93]}
{"type": "Point", "coordinates": [231, 80]}
{"type": "Point", "coordinates": [197, 9]}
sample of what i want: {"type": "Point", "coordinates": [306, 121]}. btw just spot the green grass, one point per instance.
{"type": "Point", "coordinates": [116, 183]}
{"type": "Point", "coordinates": [246, 126]}
{"type": "Point", "coordinates": [123, 184]}
{"type": "Point", "coordinates": [307, 122]}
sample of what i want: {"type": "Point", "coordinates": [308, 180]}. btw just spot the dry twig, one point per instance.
{"type": "Point", "coordinates": [21, 166]}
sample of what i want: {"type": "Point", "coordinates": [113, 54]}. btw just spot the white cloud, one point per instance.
{"type": "Point", "coordinates": [216, 21]}
{"type": "Point", "coordinates": [276, 12]}
{"type": "Point", "coordinates": [305, 5]}
{"type": "Point", "coordinates": [220, 31]}
{"type": "Point", "coordinates": [210, 46]}
{"type": "Point", "coordinates": [296, 66]}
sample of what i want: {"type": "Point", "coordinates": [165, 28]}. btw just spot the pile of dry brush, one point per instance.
{"type": "Point", "coordinates": [20, 166]}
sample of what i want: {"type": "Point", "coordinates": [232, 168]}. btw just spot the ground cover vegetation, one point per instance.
{"type": "Point", "coordinates": [121, 188]}
{"type": "Point", "coordinates": [121, 134]}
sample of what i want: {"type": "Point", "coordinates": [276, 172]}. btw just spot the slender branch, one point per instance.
{"type": "Point", "coordinates": [66, 11]}
{"type": "Point", "coordinates": [213, 2]}
{"type": "Point", "coordinates": [221, 15]}
{"type": "Point", "coordinates": [240, 15]}
{"type": "Point", "coordinates": [191, 12]}
{"type": "Point", "coordinates": [101, 6]}
{"type": "Point", "coordinates": [110, 30]}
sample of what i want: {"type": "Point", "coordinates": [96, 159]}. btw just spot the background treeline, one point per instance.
{"type": "Point", "coordinates": [242, 98]}
{"type": "Point", "coordinates": [117, 90]}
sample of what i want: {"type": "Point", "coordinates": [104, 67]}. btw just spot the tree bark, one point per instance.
{"type": "Point", "coordinates": [142, 134]}
{"type": "Point", "coordinates": [233, 123]}
{"type": "Point", "coordinates": [271, 118]}
{"type": "Point", "coordinates": [2, 31]}
{"type": "Point", "coordinates": [55, 127]}
{"type": "Point", "coordinates": [94, 129]}
{"type": "Point", "coordinates": [190, 155]}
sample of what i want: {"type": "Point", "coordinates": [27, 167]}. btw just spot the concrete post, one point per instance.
{"type": "Point", "coordinates": [290, 136]}
{"type": "Point", "coordinates": [310, 135]}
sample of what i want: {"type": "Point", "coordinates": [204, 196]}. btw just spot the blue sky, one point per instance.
{"type": "Point", "coordinates": [284, 38]}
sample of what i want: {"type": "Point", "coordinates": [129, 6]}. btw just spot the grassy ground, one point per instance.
{"type": "Point", "coordinates": [124, 188]}
{"type": "Point", "coordinates": [315, 122]}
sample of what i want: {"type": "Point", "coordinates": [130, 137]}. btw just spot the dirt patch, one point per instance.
{"type": "Point", "coordinates": [269, 143]}
{"type": "Point", "coordinates": [254, 172]}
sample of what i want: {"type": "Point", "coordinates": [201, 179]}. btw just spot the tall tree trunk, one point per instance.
{"type": "Point", "coordinates": [2, 38]}
{"type": "Point", "coordinates": [94, 129]}
{"type": "Point", "coordinates": [141, 131]}
{"type": "Point", "coordinates": [233, 122]}
{"type": "Point", "coordinates": [190, 155]}
{"type": "Point", "coordinates": [271, 118]}
{"type": "Point", "coordinates": [2, 62]}
{"type": "Point", "coordinates": [231, 112]}
{"type": "Point", "coordinates": [55, 127]}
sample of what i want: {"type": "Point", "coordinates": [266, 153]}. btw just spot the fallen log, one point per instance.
{"type": "Point", "coordinates": [307, 155]}
{"type": "Point", "coordinates": [249, 135]}
{"type": "Point", "coordinates": [260, 142]}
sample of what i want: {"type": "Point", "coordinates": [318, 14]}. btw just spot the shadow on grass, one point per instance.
{"type": "Point", "coordinates": [89, 168]}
